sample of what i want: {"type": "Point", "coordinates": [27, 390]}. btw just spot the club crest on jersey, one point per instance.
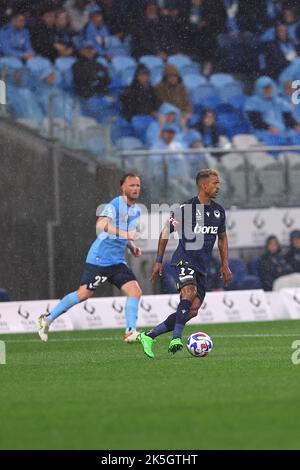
{"type": "Point", "coordinates": [217, 214]}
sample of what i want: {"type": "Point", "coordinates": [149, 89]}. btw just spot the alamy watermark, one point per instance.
{"type": "Point", "coordinates": [2, 92]}
{"type": "Point", "coordinates": [296, 354]}
{"type": "Point", "coordinates": [2, 353]}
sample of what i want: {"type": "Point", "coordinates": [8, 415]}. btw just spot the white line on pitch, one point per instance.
{"type": "Point", "coordinates": [114, 338]}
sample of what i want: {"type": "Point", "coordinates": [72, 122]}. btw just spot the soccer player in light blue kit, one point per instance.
{"type": "Point", "coordinates": [117, 229]}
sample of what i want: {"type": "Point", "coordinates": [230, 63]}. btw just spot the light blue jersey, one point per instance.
{"type": "Point", "coordinates": [108, 249]}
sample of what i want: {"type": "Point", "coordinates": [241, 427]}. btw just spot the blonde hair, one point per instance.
{"type": "Point", "coordinates": [205, 174]}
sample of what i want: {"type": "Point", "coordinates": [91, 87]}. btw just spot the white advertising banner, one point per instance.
{"type": "Point", "coordinates": [101, 313]}
{"type": "Point", "coordinates": [246, 228]}
{"type": "Point", "coordinates": [291, 298]}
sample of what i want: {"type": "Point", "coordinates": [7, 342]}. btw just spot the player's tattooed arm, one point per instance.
{"type": "Point", "coordinates": [104, 224]}
{"type": "Point", "coordinates": [225, 272]}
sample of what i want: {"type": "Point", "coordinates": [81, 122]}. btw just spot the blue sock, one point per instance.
{"type": "Point", "coordinates": [164, 327]}
{"type": "Point", "coordinates": [67, 302]}
{"type": "Point", "coordinates": [131, 312]}
{"type": "Point", "coordinates": [182, 316]}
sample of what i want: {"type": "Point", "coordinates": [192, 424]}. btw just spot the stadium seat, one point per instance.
{"type": "Point", "coordinates": [219, 80]}
{"type": "Point", "coordinates": [120, 63]}
{"type": "Point", "coordinates": [201, 92]}
{"type": "Point", "coordinates": [64, 66]}
{"type": "Point", "coordinates": [233, 168]}
{"type": "Point", "coordinates": [151, 61]}
{"type": "Point", "coordinates": [4, 297]}
{"type": "Point", "coordinates": [37, 65]}
{"type": "Point", "coordinates": [244, 141]}
{"type": "Point", "coordinates": [192, 68]}
{"type": "Point", "coordinates": [192, 81]}
{"type": "Point", "coordinates": [129, 143]}
{"type": "Point", "coordinates": [179, 60]}
{"type": "Point", "coordinates": [239, 272]}
{"type": "Point", "coordinates": [156, 75]}
{"type": "Point", "coordinates": [253, 269]}
{"type": "Point", "coordinates": [250, 282]}
{"type": "Point", "coordinates": [121, 128]}
{"type": "Point", "coordinates": [140, 124]}
{"type": "Point", "coordinates": [127, 76]}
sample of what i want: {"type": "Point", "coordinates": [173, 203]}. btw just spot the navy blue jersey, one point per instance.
{"type": "Point", "coordinates": [198, 226]}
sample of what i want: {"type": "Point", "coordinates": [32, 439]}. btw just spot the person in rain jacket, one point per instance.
{"type": "Point", "coordinates": [266, 111]}
{"type": "Point", "coordinates": [139, 97]}
{"type": "Point", "coordinates": [272, 264]}
{"type": "Point", "coordinates": [15, 39]}
{"type": "Point", "coordinates": [167, 114]}
{"type": "Point", "coordinates": [171, 90]}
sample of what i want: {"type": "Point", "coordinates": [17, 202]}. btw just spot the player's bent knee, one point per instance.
{"type": "Point", "coordinates": [189, 293]}
{"type": "Point", "coordinates": [84, 293]}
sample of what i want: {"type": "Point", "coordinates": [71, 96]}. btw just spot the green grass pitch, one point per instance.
{"type": "Point", "coordinates": [89, 390]}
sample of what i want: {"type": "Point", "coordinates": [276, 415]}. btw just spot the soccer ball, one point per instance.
{"type": "Point", "coordinates": [199, 344]}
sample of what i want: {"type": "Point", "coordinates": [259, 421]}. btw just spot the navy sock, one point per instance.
{"type": "Point", "coordinates": [182, 316]}
{"type": "Point", "coordinates": [163, 327]}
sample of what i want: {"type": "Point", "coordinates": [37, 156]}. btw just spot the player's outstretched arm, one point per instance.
{"type": "Point", "coordinates": [104, 224]}
{"type": "Point", "coordinates": [225, 272]}
{"type": "Point", "coordinates": [162, 243]}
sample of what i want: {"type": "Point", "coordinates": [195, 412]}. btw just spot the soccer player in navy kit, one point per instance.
{"type": "Point", "coordinates": [200, 220]}
{"type": "Point", "coordinates": [116, 229]}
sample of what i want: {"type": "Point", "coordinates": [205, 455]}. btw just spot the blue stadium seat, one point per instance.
{"type": "Point", "coordinates": [156, 75]}
{"type": "Point", "coordinates": [179, 60]}
{"type": "Point", "coordinates": [219, 80]}
{"type": "Point", "coordinates": [249, 282]}
{"type": "Point", "coordinates": [9, 68]}
{"type": "Point", "coordinates": [127, 76]}
{"type": "Point", "coordinates": [140, 124]}
{"type": "Point", "coordinates": [189, 68]}
{"type": "Point", "coordinates": [121, 128]}
{"type": "Point", "coordinates": [270, 139]}
{"type": "Point", "coordinates": [120, 63]}
{"type": "Point", "coordinates": [192, 81]}
{"type": "Point", "coordinates": [230, 89]}
{"type": "Point", "coordinates": [253, 267]}
{"type": "Point", "coordinates": [37, 65]}
{"type": "Point", "coordinates": [203, 91]}
{"type": "Point", "coordinates": [239, 272]}
{"type": "Point", "coordinates": [64, 66]}
{"type": "Point", "coordinates": [151, 61]}
{"type": "Point", "coordinates": [4, 295]}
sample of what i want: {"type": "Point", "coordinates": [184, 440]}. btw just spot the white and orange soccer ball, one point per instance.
{"type": "Point", "coordinates": [199, 344]}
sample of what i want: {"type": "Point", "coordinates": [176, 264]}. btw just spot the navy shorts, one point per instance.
{"type": "Point", "coordinates": [186, 275]}
{"type": "Point", "coordinates": [117, 274]}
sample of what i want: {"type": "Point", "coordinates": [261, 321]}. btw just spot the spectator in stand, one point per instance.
{"type": "Point", "coordinates": [167, 114]}
{"type": "Point", "coordinates": [96, 31]}
{"type": "Point", "coordinates": [272, 264]}
{"type": "Point", "coordinates": [15, 38]}
{"type": "Point", "coordinates": [208, 128]}
{"type": "Point", "coordinates": [63, 36]}
{"type": "Point", "coordinates": [266, 111]}
{"type": "Point", "coordinates": [171, 90]}
{"type": "Point", "coordinates": [293, 255]}
{"type": "Point", "coordinates": [43, 31]}
{"type": "Point", "coordinates": [78, 11]}
{"type": "Point", "coordinates": [201, 30]}
{"type": "Point", "coordinates": [150, 37]}
{"type": "Point", "coordinates": [177, 169]}
{"type": "Point", "coordinates": [280, 52]}
{"type": "Point", "coordinates": [286, 93]}
{"type": "Point", "coordinates": [139, 97]}
{"type": "Point", "coordinates": [90, 78]}
{"type": "Point", "coordinates": [256, 16]}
